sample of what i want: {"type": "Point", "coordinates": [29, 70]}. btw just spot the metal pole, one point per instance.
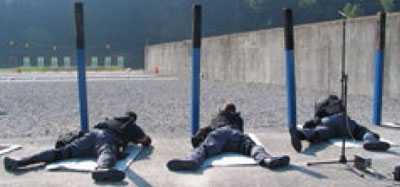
{"type": "Point", "coordinates": [344, 79]}
{"type": "Point", "coordinates": [196, 42]}
{"type": "Point", "coordinates": [80, 59]}
{"type": "Point", "coordinates": [379, 60]}
{"type": "Point", "coordinates": [290, 69]}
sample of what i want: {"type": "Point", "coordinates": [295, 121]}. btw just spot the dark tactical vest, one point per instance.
{"type": "Point", "coordinates": [67, 138]}
{"type": "Point", "coordinates": [124, 127]}
{"type": "Point", "coordinates": [328, 106]}
{"type": "Point", "coordinates": [232, 120]}
{"type": "Point", "coordinates": [223, 119]}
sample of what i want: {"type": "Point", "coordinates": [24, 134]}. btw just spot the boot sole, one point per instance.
{"type": "Point", "coordinates": [284, 161]}
{"type": "Point", "coordinates": [108, 176]}
{"type": "Point", "coordinates": [9, 164]}
{"type": "Point", "coordinates": [179, 165]}
{"type": "Point", "coordinates": [379, 146]}
{"type": "Point", "coordinates": [296, 142]}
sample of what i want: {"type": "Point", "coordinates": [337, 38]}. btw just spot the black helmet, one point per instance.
{"type": "Point", "coordinates": [131, 114]}
{"type": "Point", "coordinates": [230, 107]}
{"type": "Point", "coordinates": [128, 116]}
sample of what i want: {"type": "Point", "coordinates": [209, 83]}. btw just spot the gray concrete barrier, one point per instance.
{"type": "Point", "coordinates": [258, 56]}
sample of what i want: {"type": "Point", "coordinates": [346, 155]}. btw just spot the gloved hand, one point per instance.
{"type": "Point", "coordinates": [200, 136]}
{"type": "Point", "coordinates": [196, 141]}
{"type": "Point", "coordinates": [310, 124]}
{"type": "Point", "coordinates": [146, 141]}
{"type": "Point", "coordinates": [122, 155]}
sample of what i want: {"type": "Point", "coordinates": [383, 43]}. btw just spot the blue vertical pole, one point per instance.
{"type": "Point", "coordinates": [80, 59]}
{"type": "Point", "coordinates": [379, 60]}
{"type": "Point", "coordinates": [196, 42]}
{"type": "Point", "coordinates": [290, 69]}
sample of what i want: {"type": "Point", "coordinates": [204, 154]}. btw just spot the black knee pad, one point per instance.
{"type": "Point", "coordinates": [369, 136]}
{"type": "Point", "coordinates": [107, 159]}
{"type": "Point", "coordinates": [259, 154]}
{"type": "Point", "coordinates": [247, 146]}
{"type": "Point", "coordinates": [256, 150]}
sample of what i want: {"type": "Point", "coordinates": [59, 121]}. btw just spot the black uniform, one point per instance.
{"type": "Point", "coordinates": [225, 134]}
{"type": "Point", "coordinates": [105, 142]}
{"type": "Point", "coordinates": [330, 122]}
{"type": "Point", "coordinates": [334, 126]}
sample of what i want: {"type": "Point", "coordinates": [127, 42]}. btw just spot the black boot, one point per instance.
{"type": "Point", "coordinates": [10, 164]}
{"type": "Point", "coordinates": [183, 165]}
{"type": "Point", "coordinates": [295, 137]}
{"type": "Point", "coordinates": [276, 162]}
{"type": "Point", "coordinates": [108, 175]}
{"type": "Point", "coordinates": [45, 156]}
{"type": "Point", "coordinates": [376, 146]}
{"type": "Point", "coordinates": [190, 163]}
{"type": "Point", "coordinates": [372, 143]}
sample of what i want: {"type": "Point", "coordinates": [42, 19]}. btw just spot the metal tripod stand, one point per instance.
{"type": "Point", "coordinates": [342, 159]}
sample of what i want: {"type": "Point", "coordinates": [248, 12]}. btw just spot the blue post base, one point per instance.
{"type": "Point", "coordinates": [291, 89]}
{"type": "Point", "coordinates": [378, 88]}
{"type": "Point", "coordinates": [195, 91]}
{"type": "Point", "coordinates": [82, 89]}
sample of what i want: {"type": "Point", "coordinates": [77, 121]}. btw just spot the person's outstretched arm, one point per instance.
{"type": "Point", "coordinates": [136, 135]}
{"type": "Point", "coordinates": [145, 141]}
{"type": "Point", "coordinates": [200, 136]}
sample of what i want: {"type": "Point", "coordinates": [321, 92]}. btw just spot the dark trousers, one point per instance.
{"type": "Point", "coordinates": [226, 139]}
{"type": "Point", "coordinates": [98, 144]}
{"type": "Point", "coordinates": [334, 126]}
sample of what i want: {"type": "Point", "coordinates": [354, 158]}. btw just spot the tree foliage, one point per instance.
{"type": "Point", "coordinates": [258, 5]}
{"type": "Point", "coordinates": [307, 3]}
{"type": "Point", "coordinates": [388, 5]}
{"type": "Point", "coordinates": [351, 10]}
{"type": "Point", "coordinates": [129, 25]}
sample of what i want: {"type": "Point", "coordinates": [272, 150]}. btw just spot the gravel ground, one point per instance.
{"type": "Point", "coordinates": [35, 109]}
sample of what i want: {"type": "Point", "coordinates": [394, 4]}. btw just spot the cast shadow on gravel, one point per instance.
{"type": "Point", "coordinates": [312, 149]}
{"type": "Point", "coordinates": [136, 179]}
{"type": "Point", "coordinates": [302, 169]}
{"type": "Point", "coordinates": [22, 171]}
{"type": "Point", "coordinates": [199, 171]}
{"type": "Point", "coordinates": [390, 152]}
{"type": "Point", "coordinates": [145, 154]}
{"type": "Point", "coordinates": [196, 172]}
{"type": "Point", "coordinates": [122, 183]}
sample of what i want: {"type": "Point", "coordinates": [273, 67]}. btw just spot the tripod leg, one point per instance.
{"type": "Point", "coordinates": [350, 168]}
{"type": "Point", "coordinates": [323, 162]}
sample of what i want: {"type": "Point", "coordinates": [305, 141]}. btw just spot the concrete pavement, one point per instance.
{"type": "Point", "coordinates": [150, 170]}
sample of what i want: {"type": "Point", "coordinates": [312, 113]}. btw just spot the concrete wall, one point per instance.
{"type": "Point", "coordinates": [258, 56]}
{"type": "Point", "coordinates": [392, 62]}
{"type": "Point", "coordinates": [169, 59]}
